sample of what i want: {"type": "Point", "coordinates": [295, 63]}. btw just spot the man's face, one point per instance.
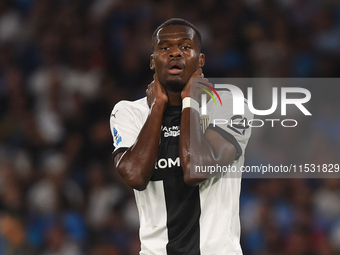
{"type": "Point", "coordinates": [176, 56]}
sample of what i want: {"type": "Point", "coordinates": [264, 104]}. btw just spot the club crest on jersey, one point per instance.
{"type": "Point", "coordinates": [171, 131]}
{"type": "Point", "coordinates": [116, 136]}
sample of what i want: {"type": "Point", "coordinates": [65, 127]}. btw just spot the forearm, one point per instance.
{"type": "Point", "coordinates": [137, 165]}
{"type": "Point", "coordinates": [195, 150]}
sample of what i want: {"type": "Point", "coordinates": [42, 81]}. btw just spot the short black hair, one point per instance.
{"type": "Point", "coordinates": [177, 21]}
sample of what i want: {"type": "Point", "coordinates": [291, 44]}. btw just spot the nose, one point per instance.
{"type": "Point", "coordinates": [175, 52]}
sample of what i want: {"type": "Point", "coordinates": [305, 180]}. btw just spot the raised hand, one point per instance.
{"type": "Point", "coordinates": [156, 93]}
{"type": "Point", "coordinates": [190, 89]}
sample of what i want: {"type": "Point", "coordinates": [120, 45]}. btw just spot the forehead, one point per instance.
{"type": "Point", "coordinates": [175, 32]}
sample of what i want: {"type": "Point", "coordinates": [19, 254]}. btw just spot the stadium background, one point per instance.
{"type": "Point", "coordinates": [64, 64]}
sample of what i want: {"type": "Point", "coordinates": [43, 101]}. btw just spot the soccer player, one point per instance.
{"type": "Point", "coordinates": [179, 214]}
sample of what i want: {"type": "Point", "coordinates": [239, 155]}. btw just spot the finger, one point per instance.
{"type": "Point", "coordinates": [155, 78]}
{"type": "Point", "coordinates": [197, 73]}
{"type": "Point", "coordinates": [201, 74]}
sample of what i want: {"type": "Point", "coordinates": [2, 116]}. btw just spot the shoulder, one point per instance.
{"type": "Point", "coordinates": [221, 97]}
{"type": "Point", "coordinates": [137, 107]}
{"type": "Point", "coordinates": [225, 100]}
{"type": "Point", "coordinates": [140, 104]}
{"type": "Point", "coordinates": [225, 95]}
{"type": "Point", "coordinates": [130, 113]}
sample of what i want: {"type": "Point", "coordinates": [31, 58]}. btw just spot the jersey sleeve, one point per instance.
{"type": "Point", "coordinates": [234, 128]}
{"type": "Point", "coordinates": [124, 127]}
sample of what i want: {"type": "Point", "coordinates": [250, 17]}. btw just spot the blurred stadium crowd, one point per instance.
{"type": "Point", "coordinates": [63, 66]}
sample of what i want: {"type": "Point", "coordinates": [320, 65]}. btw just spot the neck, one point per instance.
{"type": "Point", "coordinates": [174, 98]}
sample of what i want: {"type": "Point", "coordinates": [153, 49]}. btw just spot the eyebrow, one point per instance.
{"type": "Point", "coordinates": [166, 41]}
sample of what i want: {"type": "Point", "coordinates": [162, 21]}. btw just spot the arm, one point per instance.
{"type": "Point", "coordinates": [209, 148]}
{"type": "Point", "coordinates": [137, 164]}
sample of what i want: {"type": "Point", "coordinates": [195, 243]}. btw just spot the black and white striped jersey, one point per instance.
{"type": "Point", "coordinates": [175, 218]}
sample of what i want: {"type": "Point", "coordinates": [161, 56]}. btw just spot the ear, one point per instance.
{"type": "Point", "coordinates": [201, 60]}
{"type": "Point", "coordinates": [152, 62]}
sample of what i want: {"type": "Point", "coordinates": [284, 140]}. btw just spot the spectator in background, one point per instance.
{"type": "Point", "coordinates": [102, 197]}
{"type": "Point", "coordinates": [45, 197]}
{"type": "Point", "coordinates": [10, 23]}
{"type": "Point", "coordinates": [63, 67]}
{"type": "Point", "coordinates": [58, 242]}
{"type": "Point", "coordinates": [105, 249]}
{"type": "Point", "coordinates": [13, 234]}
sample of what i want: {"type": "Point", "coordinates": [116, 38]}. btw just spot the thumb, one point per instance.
{"type": "Point", "coordinates": [155, 77]}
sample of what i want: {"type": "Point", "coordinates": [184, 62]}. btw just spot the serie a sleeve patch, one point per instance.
{"type": "Point", "coordinates": [117, 138]}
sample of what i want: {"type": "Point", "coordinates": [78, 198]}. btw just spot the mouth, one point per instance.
{"type": "Point", "coordinates": [175, 67]}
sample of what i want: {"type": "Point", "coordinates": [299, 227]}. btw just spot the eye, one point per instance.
{"type": "Point", "coordinates": [165, 48]}
{"type": "Point", "coordinates": [186, 47]}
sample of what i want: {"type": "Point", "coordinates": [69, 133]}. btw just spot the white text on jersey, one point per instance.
{"type": "Point", "coordinates": [171, 131]}
{"type": "Point", "coordinates": [167, 163]}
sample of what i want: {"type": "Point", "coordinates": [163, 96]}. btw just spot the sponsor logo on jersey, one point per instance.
{"type": "Point", "coordinates": [163, 163]}
{"type": "Point", "coordinates": [116, 136]}
{"type": "Point", "coordinates": [172, 131]}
